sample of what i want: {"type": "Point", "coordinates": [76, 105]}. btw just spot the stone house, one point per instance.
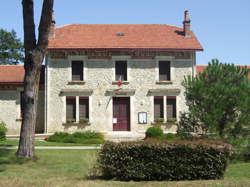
{"type": "Point", "coordinates": [118, 77]}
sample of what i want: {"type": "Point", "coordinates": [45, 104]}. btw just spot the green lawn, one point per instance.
{"type": "Point", "coordinates": [70, 168]}
{"type": "Point", "coordinates": [42, 143]}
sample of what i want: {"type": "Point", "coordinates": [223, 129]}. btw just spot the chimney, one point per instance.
{"type": "Point", "coordinates": [186, 24]}
{"type": "Point", "coordinates": [52, 27]}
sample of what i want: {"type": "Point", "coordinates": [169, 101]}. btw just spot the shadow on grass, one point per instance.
{"type": "Point", "coordinates": [8, 157]}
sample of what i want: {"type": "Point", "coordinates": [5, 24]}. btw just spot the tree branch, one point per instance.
{"type": "Point", "coordinates": [28, 25]}
{"type": "Point", "coordinates": [44, 25]}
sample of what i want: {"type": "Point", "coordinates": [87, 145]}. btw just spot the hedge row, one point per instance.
{"type": "Point", "coordinates": [159, 160]}
{"type": "Point", "coordinates": [87, 137]}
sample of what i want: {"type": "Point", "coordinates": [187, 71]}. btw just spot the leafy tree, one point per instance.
{"type": "Point", "coordinates": [34, 55]}
{"type": "Point", "coordinates": [11, 48]}
{"type": "Point", "coordinates": [219, 98]}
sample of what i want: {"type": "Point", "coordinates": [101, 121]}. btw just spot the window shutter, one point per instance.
{"type": "Point", "coordinates": [121, 70]}
{"type": "Point", "coordinates": [171, 107]}
{"type": "Point", "coordinates": [77, 70]}
{"type": "Point", "coordinates": [83, 108]}
{"type": "Point", "coordinates": [21, 103]}
{"type": "Point", "coordinates": [71, 108]}
{"type": "Point", "coordinates": [164, 70]}
{"type": "Point", "coordinates": [158, 107]}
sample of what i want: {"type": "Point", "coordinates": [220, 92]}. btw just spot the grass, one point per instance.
{"type": "Point", "coordinates": [43, 143]}
{"type": "Point", "coordinates": [70, 168]}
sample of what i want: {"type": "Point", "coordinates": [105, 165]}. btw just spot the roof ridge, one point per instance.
{"type": "Point", "coordinates": [118, 24]}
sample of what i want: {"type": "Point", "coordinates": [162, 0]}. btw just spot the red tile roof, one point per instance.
{"type": "Point", "coordinates": [200, 69]}
{"type": "Point", "coordinates": [92, 36]}
{"type": "Point", "coordinates": [14, 75]}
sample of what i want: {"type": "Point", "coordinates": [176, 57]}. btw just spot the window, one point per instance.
{"type": "Point", "coordinates": [171, 107]}
{"type": "Point", "coordinates": [164, 70]}
{"type": "Point", "coordinates": [158, 107]}
{"type": "Point", "coordinates": [21, 104]}
{"type": "Point", "coordinates": [83, 107]}
{"type": "Point", "coordinates": [121, 70]}
{"type": "Point", "coordinates": [77, 70]}
{"type": "Point", "coordinates": [71, 108]}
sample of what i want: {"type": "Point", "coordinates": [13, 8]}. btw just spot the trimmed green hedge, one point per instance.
{"type": "Point", "coordinates": [87, 137]}
{"type": "Point", "coordinates": [164, 160]}
{"type": "Point", "coordinates": [3, 131]}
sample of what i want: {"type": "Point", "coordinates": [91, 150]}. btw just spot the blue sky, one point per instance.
{"type": "Point", "coordinates": [222, 26]}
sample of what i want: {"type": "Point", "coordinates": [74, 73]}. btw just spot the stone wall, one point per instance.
{"type": "Point", "coordinates": [10, 111]}
{"type": "Point", "coordinates": [98, 76]}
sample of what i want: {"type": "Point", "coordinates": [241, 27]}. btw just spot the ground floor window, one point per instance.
{"type": "Point", "coordinates": [158, 107]}
{"type": "Point", "coordinates": [83, 107]}
{"type": "Point", "coordinates": [77, 108]}
{"type": "Point", "coordinates": [169, 105]}
{"type": "Point", "coordinates": [71, 108]}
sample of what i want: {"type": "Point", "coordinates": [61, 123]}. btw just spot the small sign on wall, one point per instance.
{"type": "Point", "coordinates": [142, 117]}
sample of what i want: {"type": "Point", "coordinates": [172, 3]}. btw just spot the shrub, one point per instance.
{"type": "Point", "coordinates": [187, 125]}
{"type": "Point", "coordinates": [83, 121]}
{"type": "Point", "coordinates": [159, 160]}
{"type": "Point", "coordinates": [171, 120]}
{"type": "Point", "coordinates": [87, 137]}
{"type": "Point", "coordinates": [159, 120]}
{"type": "Point", "coordinates": [71, 120]}
{"type": "Point", "coordinates": [154, 132]}
{"type": "Point", "coordinates": [169, 136]}
{"type": "Point", "coordinates": [3, 131]}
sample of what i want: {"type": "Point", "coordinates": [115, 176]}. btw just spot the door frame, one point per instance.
{"type": "Point", "coordinates": [130, 117]}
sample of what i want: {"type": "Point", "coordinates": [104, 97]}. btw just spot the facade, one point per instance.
{"type": "Point", "coordinates": [109, 78]}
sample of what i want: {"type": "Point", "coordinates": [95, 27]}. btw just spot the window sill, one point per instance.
{"type": "Point", "coordinates": [164, 82]}
{"type": "Point", "coordinates": [78, 124]}
{"type": "Point", "coordinates": [123, 82]}
{"type": "Point", "coordinates": [76, 82]}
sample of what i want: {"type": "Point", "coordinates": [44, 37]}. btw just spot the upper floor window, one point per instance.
{"type": "Point", "coordinates": [121, 70]}
{"type": "Point", "coordinates": [77, 70]}
{"type": "Point", "coordinates": [164, 71]}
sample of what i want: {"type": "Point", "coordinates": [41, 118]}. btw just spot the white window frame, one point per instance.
{"type": "Point", "coordinates": [77, 58]}
{"type": "Point", "coordinates": [172, 69]}
{"type": "Point", "coordinates": [77, 108]}
{"type": "Point", "coordinates": [121, 58]}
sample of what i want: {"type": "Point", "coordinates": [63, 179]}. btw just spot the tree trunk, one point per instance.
{"type": "Point", "coordinates": [34, 54]}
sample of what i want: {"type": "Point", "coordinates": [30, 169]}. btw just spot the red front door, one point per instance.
{"type": "Point", "coordinates": [121, 114]}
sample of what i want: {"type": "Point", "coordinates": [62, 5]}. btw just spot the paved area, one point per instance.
{"type": "Point", "coordinates": [56, 147]}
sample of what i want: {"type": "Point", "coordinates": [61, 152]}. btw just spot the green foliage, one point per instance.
{"type": "Point", "coordinates": [159, 120]}
{"type": "Point", "coordinates": [83, 121]}
{"type": "Point", "coordinates": [87, 137]}
{"type": "Point", "coordinates": [218, 98]}
{"type": "Point", "coordinates": [187, 125]}
{"type": "Point", "coordinates": [169, 136]}
{"type": "Point", "coordinates": [159, 160]}
{"type": "Point", "coordinates": [241, 149]}
{"type": "Point", "coordinates": [11, 48]}
{"type": "Point", "coordinates": [171, 120]}
{"type": "Point", "coordinates": [154, 132]}
{"type": "Point", "coordinates": [71, 120]}
{"type": "Point", "coordinates": [3, 131]}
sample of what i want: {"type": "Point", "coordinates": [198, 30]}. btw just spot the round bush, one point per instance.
{"type": "Point", "coordinates": [154, 132]}
{"type": "Point", "coordinates": [3, 131]}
